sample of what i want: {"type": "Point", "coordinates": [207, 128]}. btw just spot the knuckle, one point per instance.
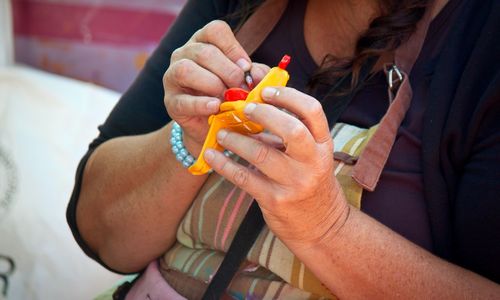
{"type": "Point", "coordinates": [315, 109]}
{"type": "Point", "coordinates": [235, 75]}
{"type": "Point", "coordinates": [165, 79]}
{"type": "Point", "coordinates": [261, 153]}
{"type": "Point", "coordinates": [181, 69]}
{"type": "Point", "coordinates": [217, 26]}
{"type": "Point", "coordinates": [178, 106]}
{"type": "Point", "coordinates": [232, 48]}
{"type": "Point", "coordinates": [176, 54]}
{"type": "Point", "coordinates": [240, 176]}
{"type": "Point", "coordinates": [297, 132]}
{"type": "Point", "coordinates": [214, 29]}
{"type": "Point", "coordinates": [204, 53]}
{"type": "Point", "coordinates": [279, 197]}
{"type": "Point", "coordinates": [306, 183]}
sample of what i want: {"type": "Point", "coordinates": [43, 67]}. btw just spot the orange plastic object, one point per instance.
{"type": "Point", "coordinates": [231, 116]}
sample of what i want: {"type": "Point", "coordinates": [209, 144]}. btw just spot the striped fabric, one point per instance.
{"type": "Point", "coordinates": [272, 271]}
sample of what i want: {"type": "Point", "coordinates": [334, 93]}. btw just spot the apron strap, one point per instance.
{"type": "Point", "coordinates": [372, 160]}
{"type": "Point", "coordinates": [260, 24]}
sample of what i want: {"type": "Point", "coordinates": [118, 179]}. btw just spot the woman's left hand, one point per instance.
{"type": "Point", "coordinates": [295, 186]}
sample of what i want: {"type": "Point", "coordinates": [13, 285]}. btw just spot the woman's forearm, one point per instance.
{"type": "Point", "coordinates": [365, 259]}
{"type": "Point", "coordinates": [133, 196]}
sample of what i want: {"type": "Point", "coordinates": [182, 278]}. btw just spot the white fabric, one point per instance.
{"type": "Point", "coordinates": [6, 35]}
{"type": "Point", "coordinates": [46, 123]}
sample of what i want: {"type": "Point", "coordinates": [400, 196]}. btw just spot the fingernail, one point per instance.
{"type": "Point", "coordinates": [249, 108]}
{"type": "Point", "coordinates": [243, 64]}
{"type": "Point", "coordinates": [209, 155]}
{"type": "Point", "coordinates": [221, 134]}
{"type": "Point", "coordinates": [213, 105]}
{"type": "Point", "coordinates": [268, 93]}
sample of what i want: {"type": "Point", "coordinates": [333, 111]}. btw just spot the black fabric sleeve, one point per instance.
{"type": "Point", "coordinates": [474, 132]}
{"type": "Point", "coordinates": [141, 110]}
{"type": "Point", "coordinates": [477, 203]}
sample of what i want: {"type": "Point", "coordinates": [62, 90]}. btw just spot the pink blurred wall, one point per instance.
{"type": "Point", "coordinates": [101, 41]}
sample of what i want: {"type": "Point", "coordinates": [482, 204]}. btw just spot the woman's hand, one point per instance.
{"type": "Point", "coordinates": [199, 73]}
{"type": "Point", "coordinates": [295, 186]}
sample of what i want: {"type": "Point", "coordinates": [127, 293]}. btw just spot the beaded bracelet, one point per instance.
{"type": "Point", "coordinates": [181, 153]}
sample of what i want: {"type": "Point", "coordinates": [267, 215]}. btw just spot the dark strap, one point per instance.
{"type": "Point", "coordinates": [244, 239]}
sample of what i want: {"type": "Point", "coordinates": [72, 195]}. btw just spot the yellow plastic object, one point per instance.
{"type": "Point", "coordinates": [232, 117]}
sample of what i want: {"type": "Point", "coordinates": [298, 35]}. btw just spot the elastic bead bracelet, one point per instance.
{"type": "Point", "coordinates": [181, 153]}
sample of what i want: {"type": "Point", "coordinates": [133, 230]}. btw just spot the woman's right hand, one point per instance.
{"type": "Point", "coordinates": [199, 73]}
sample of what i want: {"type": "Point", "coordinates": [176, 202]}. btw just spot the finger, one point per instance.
{"type": "Point", "coordinates": [259, 71]}
{"type": "Point", "coordinates": [248, 180]}
{"type": "Point", "coordinates": [305, 107]}
{"type": "Point", "coordinates": [264, 157]}
{"type": "Point", "coordinates": [296, 137]}
{"type": "Point", "coordinates": [219, 34]}
{"type": "Point", "coordinates": [187, 75]}
{"type": "Point", "coordinates": [212, 59]}
{"type": "Point", "coordinates": [192, 106]}
{"type": "Point", "coordinates": [269, 139]}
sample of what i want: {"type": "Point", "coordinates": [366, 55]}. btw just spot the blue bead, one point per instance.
{"type": "Point", "coordinates": [173, 141]}
{"type": "Point", "coordinates": [179, 145]}
{"type": "Point", "coordinates": [183, 152]}
{"type": "Point", "coordinates": [189, 159]}
{"type": "Point", "coordinates": [179, 157]}
{"type": "Point", "coordinates": [175, 150]}
{"type": "Point", "coordinates": [176, 126]}
{"type": "Point", "coordinates": [186, 164]}
{"type": "Point", "coordinates": [177, 135]}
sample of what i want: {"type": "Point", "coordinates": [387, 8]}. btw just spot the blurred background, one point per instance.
{"type": "Point", "coordinates": [63, 66]}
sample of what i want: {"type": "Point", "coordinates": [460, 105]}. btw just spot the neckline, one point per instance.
{"type": "Point", "coordinates": [297, 31]}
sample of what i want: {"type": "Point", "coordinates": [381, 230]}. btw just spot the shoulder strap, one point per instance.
{"type": "Point", "coordinates": [260, 24]}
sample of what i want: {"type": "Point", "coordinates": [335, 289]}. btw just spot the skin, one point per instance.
{"type": "Point", "coordinates": [127, 181]}
{"type": "Point", "coordinates": [125, 213]}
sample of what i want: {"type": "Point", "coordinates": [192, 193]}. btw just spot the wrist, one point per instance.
{"type": "Point", "coordinates": [192, 145]}
{"type": "Point", "coordinates": [328, 227]}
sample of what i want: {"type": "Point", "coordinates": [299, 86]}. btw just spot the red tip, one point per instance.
{"type": "Point", "coordinates": [284, 62]}
{"type": "Point", "coordinates": [235, 94]}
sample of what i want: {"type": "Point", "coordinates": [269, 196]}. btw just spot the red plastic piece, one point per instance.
{"type": "Point", "coordinates": [235, 94]}
{"type": "Point", "coordinates": [284, 62]}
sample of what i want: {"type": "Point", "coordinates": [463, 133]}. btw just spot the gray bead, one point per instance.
{"type": "Point", "coordinates": [183, 152]}
{"type": "Point", "coordinates": [177, 135]}
{"type": "Point", "coordinates": [179, 157]}
{"type": "Point", "coordinates": [189, 159]}
{"type": "Point", "coordinates": [186, 164]}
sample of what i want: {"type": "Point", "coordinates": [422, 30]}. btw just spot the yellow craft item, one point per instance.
{"type": "Point", "coordinates": [232, 117]}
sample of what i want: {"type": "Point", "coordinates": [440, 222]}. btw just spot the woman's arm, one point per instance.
{"type": "Point", "coordinates": [352, 254]}
{"type": "Point", "coordinates": [134, 193]}
{"type": "Point", "coordinates": [364, 259]}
